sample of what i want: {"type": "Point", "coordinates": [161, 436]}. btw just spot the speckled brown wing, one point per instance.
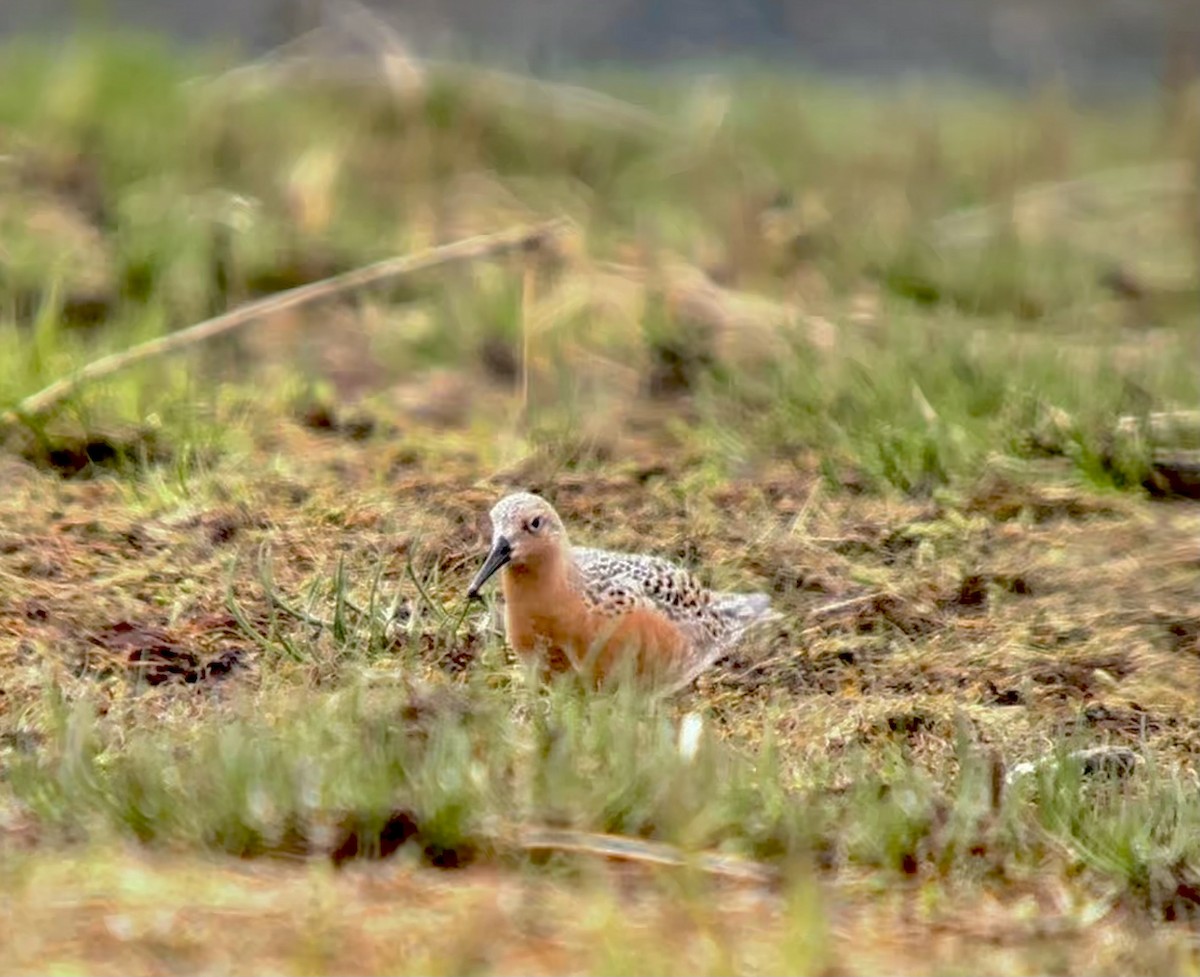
{"type": "Point", "coordinates": [619, 582]}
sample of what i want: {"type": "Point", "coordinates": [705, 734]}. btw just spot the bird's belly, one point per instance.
{"type": "Point", "coordinates": [600, 645]}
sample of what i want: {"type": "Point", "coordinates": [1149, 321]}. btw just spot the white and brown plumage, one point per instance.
{"type": "Point", "coordinates": [592, 610]}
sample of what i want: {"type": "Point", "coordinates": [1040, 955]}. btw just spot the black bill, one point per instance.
{"type": "Point", "coordinates": [500, 555]}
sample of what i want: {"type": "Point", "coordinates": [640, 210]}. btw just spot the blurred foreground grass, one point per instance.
{"type": "Point", "coordinates": [868, 351]}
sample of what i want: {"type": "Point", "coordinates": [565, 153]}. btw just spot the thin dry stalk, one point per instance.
{"type": "Point", "coordinates": [470, 249]}
{"type": "Point", "coordinates": [973, 224]}
{"type": "Point", "coordinates": [528, 297]}
{"type": "Point", "coordinates": [356, 44]}
{"type": "Point", "coordinates": [644, 852]}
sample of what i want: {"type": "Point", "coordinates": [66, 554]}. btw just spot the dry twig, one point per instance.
{"type": "Point", "coordinates": [645, 852]}
{"type": "Point", "coordinates": [470, 249]}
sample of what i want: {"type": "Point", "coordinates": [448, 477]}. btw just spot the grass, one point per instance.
{"type": "Point", "coordinates": [241, 692]}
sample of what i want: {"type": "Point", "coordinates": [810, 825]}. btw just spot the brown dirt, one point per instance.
{"type": "Point", "coordinates": [1023, 607]}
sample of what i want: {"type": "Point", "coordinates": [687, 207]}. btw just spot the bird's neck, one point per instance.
{"type": "Point", "coordinates": [548, 573]}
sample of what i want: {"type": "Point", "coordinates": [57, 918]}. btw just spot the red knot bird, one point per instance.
{"type": "Point", "coordinates": [591, 609]}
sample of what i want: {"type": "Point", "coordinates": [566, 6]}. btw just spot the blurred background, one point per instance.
{"type": "Point", "coordinates": [1096, 46]}
{"type": "Point", "coordinates": [762, 191]}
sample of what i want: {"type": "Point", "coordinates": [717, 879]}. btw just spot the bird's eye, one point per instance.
{"type": "Point", "coordinates": [535, 523]}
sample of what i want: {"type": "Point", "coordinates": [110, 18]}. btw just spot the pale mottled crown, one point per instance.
{"type": "Point", "coordinates": [513, 512]}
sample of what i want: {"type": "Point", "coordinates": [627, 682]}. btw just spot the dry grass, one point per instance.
{"type": "Point", "coordinates": [127, 911]}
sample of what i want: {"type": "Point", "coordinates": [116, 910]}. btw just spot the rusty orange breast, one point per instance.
{"type": "Point", "coordinates": [547, 617]}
